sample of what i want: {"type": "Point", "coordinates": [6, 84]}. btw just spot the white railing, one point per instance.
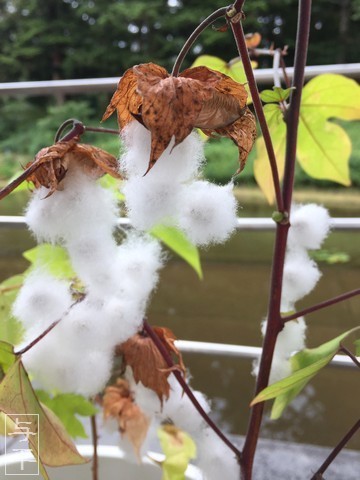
{"type": "Point", "coordinates": [87, 85]}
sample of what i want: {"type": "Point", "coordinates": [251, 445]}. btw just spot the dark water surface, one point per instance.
{"type": "Point", "coordinates": [227, 306]}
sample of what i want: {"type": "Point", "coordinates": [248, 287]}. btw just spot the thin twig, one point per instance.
{"type": "Point", "coordinates": [221, 12]}
{"type": "Point", "coordinates": [350, 355]}
{"type": "Point", "coordinates": [45, 332]}
{"type": "Point", "coordinates": [286, 77]}
{"type": "Point", "coordinates": [4, 192]}
{"type": "Point", "coordinates": [101, 130]}
{"type": "Point", "coordinates": [187, 390]}
{"type": "Point", "coordinates": [242, 47]}
{"type": "Point", "coordinates": [336, 451]}
{"type": "Point", "coordinates": [319, 306]}
{"type": "Point", "coordinates": [95, 437]}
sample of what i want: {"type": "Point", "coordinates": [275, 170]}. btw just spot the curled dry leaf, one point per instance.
{"type": "Point", "coordinates": [170, 107]}
{"type": "Point", "coordinates": [147, 363]}
{"type": "Point", "coordinates": [118, 403]}
{"type": "Point", "coordinates": [253, 40]}
{"type": "Point", "coordinates": [51, 164]}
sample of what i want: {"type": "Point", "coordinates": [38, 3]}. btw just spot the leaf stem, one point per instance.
{"type": "Point", "coordinates": [188, 391]}
{"type": "Point", "coordinates": [350, 355]}
{"type": "Point", "coordinates": [95, 437]}
{"type": "Point", "coordinates": [317, 475]}
{"type": "Point", "coordinates": [221, 12]}
{"type": "Point", "coordinates": [319, 306]}
{"type": "Point", "coordinates": [241, 44]}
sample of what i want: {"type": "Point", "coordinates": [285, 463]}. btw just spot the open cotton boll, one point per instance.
{"type": "Point", "coordinates": [215, 459]}
{"type": "Point", "coordinates": [145, 398]}
{"type": "Point", "coordinates": [122, 318]}
{"type": "Point", "coordinates": [310, 225]}
{"type": "Point", "coordinates": [177, 164]}
{"type": "Point", "coordinates": [208, 212]}
{"type": "Point", "coordinates": [291, 338]}
{"type": "Point", "coordinates": [301, 274]}
{"type": "Point", "coordinates": [42, 300]}
{"type": "Point", "coordinates": [150, 202]}
{"type": "Point", "coordinates": [71, 212]}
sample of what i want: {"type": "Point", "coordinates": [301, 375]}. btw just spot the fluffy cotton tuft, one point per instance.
{"type": "Point", "coordinates": [72, 212]}
{"type": "Point", "coordinates": [215, 459]}
{"type": "Point", "coordinates": [310, 225]}
{"type": "Point", "coordinates": [301, 274]}
{"type": "Point", "coordinates": [208, 212]}
{"type": "Point", "coordinates": [42, 300]}
{"type": "Point", "coordinates": [291, 338]}
{"type": "Point", "coordinates": [280, 368]}
{"type": "Point", "coordinates": [177, 164]}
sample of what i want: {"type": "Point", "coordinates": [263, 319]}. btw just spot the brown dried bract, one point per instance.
{"type": "Point", "coordinates": [147, 363]}
{"type": "Point", "coordinates": [172, 106]}
{"type": "Point", "coordinates": [252, 40]}
{"type": "Point", "coordinates": [51, 164]}
{"type": "Point", "coordinates": [118, 403]}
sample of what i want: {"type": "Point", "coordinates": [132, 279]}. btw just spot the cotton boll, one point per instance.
{"type": "Point", "coordinates": [122, 318]}
{"type": "Point", "coordinates": [72, 212]}
{"type": "Point", "coordinates": [208, 212]}
{"type": "Point", "coordinates": [280, 368]}
{"type": "Point", "coordinates": [215, 459]}
{"type": "Point", "coordinates": [177, 164]}
{"type": "Point", "coordinates": [151, 202]}
{"type": "Point", "coordinates": [291, 338]}
{"type": "Point", "coordinates": [310, 225]}
{"type": "Point", "coordinates": [42, 300]}
{"type": "Point", "coordinates": [301, 274]}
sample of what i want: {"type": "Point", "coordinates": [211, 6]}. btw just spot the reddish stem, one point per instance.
{"type": "Point", "coordinates": [242, 47]}
{"type": "Point", "coordinates": [319, 306]}
{"type": "Point", "coordinates": [350, 355]}
{"type": "Point", "coordinates": [165, 354]}
{"type": "Point", "coordinates": [336, 451]}
{"type": "Point", "coordinates": [95, 437]}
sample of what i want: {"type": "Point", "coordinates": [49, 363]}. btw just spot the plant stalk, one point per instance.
{"type": "Point", "coordinates": [95, 437]}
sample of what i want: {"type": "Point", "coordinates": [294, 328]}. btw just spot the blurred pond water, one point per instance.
{"type": "Point", "coordinates": [228, 306]}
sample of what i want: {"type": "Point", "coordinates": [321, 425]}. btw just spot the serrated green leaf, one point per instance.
{"type": "Point", "coordinates": [262, 170]}
{"type": "Point", "coordinates": [331, 95]}
{"type": "Point", "coordinates": [66, 407]}
{"type": "Point", "coordinates": [305, 365]}
{"type": "Point", "coordinates": [276, 95]}
{"type": "Point", "coordinates": [179, 449]}
{"type": "Point", "coordinates": [178, 242]}
{"type": "Point", "coordinates": [53, 258]}
{"type": "Point", "coordinates": [11, 330]}
{"type": "Point", "coordinates": [50, 442]}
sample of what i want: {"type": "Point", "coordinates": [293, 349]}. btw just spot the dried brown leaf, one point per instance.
{"type": "Point", "coordinates": [118, 403]}
{"type": "Point", "coordinates": [54, 162]}
{"type": "Point", "coordinates": [252, 39]}
{"type": "Point", "coordinates": [147, 363]}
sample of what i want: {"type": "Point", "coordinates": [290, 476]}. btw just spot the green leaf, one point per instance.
{"type": "Point", "coordinates": [235, 70]}
{"type": "Point", "coordinates": [331, 95]}
{"type": "Point", "coordinates": [177, 241]}
{"type": "Point", "coordinates": [305, 365]}
{"type": "Point", "coordinates": [357, 347]}
{"type": "Point", "coordinates": [11, 330]}
{"type": "Point", "coordinates": [179, 449]}
{"type": "Point", "coordinates": [276, 95]}
{"type": "Point", "coordinates": [53, 258]}
{"type": "Point", "coordinates": [262, 170]}
{"type": "Point", "coordinates": [50, 444]}
{"type": "Point", "coordinates": [66, 407]}
{"type": "Point", "coordinates": [7, 356]}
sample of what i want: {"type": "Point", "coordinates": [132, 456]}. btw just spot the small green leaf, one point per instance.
{"type": "Point", "coordinates": [179, 449]}
{"type": "Point", "coordinates": [357, 347]}
{"type": "Point", "coordinates": [51, 257]}
{"type": "Point", "coordinates": [66, 407]}
{"type": "Point", "coordinates": [11, 330]}
{"type": "Point", "coordinates": [7, 356]}
{"type": "Point", "coordinates": [235, 70]}
{"type": "Point", "coordinates": [329, 257]}
{"type": "Point", "coordinates": [177, 241]}
{"type": "Point", "coordinates": [305, 365]}
{"type": "Point", "coordinates": [50, 442]}
{"type": "Point", "coordinates": [276, 95]}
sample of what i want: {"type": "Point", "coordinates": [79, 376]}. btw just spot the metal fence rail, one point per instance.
{"type": "Point", "coordinates": [264, 76]}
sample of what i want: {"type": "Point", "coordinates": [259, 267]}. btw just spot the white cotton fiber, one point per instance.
{"type": "Point", "coordinates": [310, 225]}
{"type": "Point", "coordinates": [122, 318]}
{"type": "Point", "coordinates": [181, 410]}
{"type": "Point", "coordinates": [145, 398]}
{"type": "Point", "coordinates": [215, 459]}
{"type": "Point", "coordinates": [291, 338]}
{"type": "Point", "coordinates": [151, 202]}
{"type": "Point", "coordinates": [208, 212]}
{"type": "Point", "coordinates": [301, 274]}
{"type": "Point", "coordinates": [175, 165]}
{"type": "Point", "coordinates": [280, 368]}
{"type": "Point", "coordinates": [72, 212]}
{"type": "Point", "coordinates": [42, 300]}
